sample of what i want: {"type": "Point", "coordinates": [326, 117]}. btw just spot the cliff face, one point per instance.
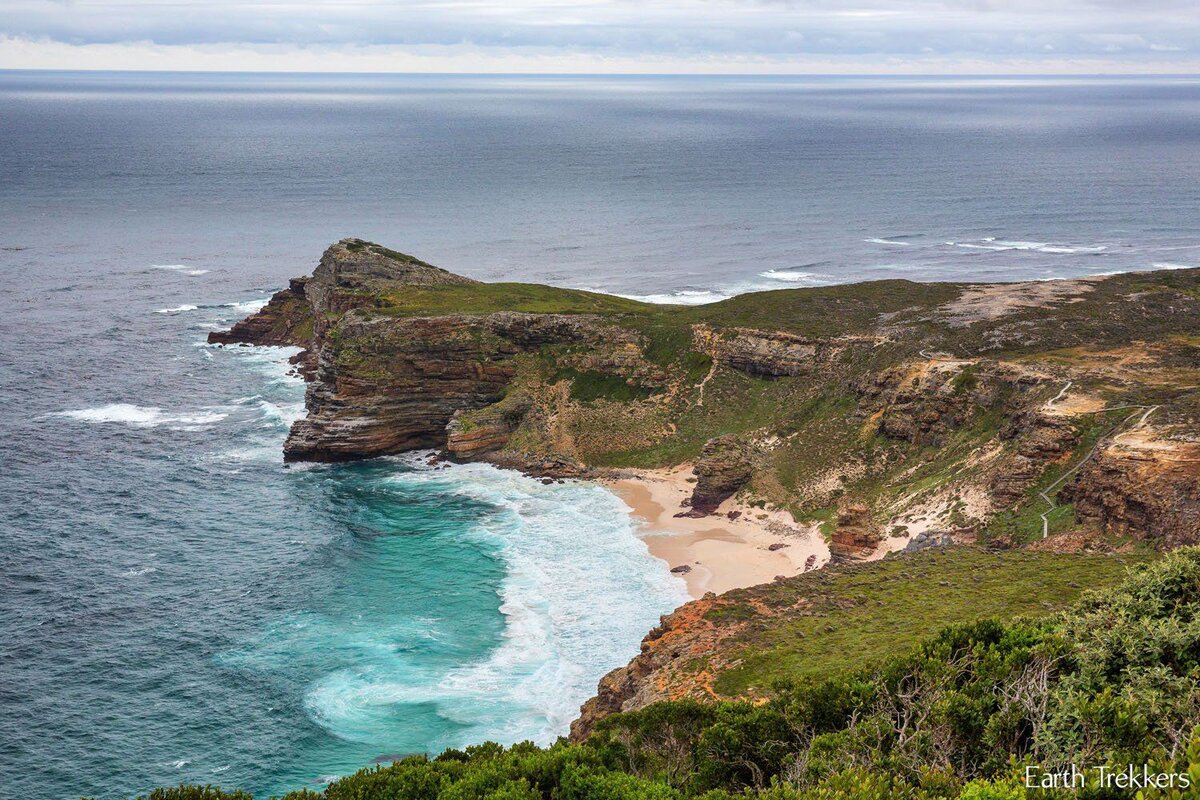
{"type": "Point", "coordinates": [388, 385]}
{"type": "Point", "coordinates": [1144, 483]}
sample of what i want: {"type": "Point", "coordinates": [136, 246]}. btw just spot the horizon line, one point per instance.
{"type": "Point", "coordinates": [578, 74]}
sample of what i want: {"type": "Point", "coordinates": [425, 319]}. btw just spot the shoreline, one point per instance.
{"type": "Point", "coordinates": [735, 547]}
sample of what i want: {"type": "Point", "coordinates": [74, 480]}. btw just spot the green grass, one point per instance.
{"type": "Point", "coordinates": [733, 403]}
{"type": "Point", "coordinates": [856, 616]}
{"type": "Point", "coordinates": [359, 245]}
{"type": "Point", "coordinates": [589, 385]}
{"type": "Point", "coordinates": [488, 298]}
{"type": "Point", "coordinates": [823, 311]}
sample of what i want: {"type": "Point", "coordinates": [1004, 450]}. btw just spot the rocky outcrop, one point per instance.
{"type": "Point", "coordinates": [928, 539]}
{"type": "Point", "coordinates": [856, 534]}
{"type": "Point", "coordinates": [774, 354]}
{"type": "Point", "coordinates": [285, 321]}
{"type": "Point", "coordinates": [356, 263]}
{"type": "Point", "coordinates": [472, 435]}
{"type": "Point", "coordinates": [924, 402]}
{"type": "Point", "coordinates": [726, 464]}
{"type": "Point", "coordinates": [1142, 484]}
{"type": "Point", "coordinates": [1039, 439]}
{"type": "Point", "coordinates": [387, 385]}
{"type": "Point", "coordinates": [656, 673]}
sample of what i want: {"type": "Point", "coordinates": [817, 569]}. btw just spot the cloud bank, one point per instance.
{"type": "Point", "coordinates": [934, 36]}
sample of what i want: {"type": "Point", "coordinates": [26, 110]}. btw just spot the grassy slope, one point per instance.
{"type": "Point", "coordinates": [855, 616]}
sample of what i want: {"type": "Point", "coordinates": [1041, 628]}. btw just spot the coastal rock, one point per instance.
{"type": "Point", "coordinates": [726, 464]}
{"type": "Point", "coordinates": [928, 539]}
{"type": "Point", "coordinates": [472, 435]}
{"type": "Point", "coordinates": [924, 402]}
{"type": "Point", "coordinates": [359, 264]}
{"type": "Point", "coordinates": [285, 321]}
{"type": "Point", "coordinates": [856, 535]}
{"type": "Point", "coordinates": [651, 675]}
{"type": "Point", "coordinates": [1039, 439]}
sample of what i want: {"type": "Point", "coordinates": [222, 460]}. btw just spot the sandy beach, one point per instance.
{"type": "Point", "coordinates": [721, 553]}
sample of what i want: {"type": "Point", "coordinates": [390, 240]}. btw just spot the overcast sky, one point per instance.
{"type": "Point", "coordinates": [783, 36]}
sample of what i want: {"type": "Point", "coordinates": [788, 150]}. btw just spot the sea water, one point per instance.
{"type": "Point", "coordinates": [176, 604]}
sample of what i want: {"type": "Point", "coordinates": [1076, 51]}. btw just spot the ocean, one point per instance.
{"type": "Point", "coordinates": [178, 605]}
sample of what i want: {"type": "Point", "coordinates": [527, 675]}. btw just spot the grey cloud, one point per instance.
{"type": "Point", "coordinates": [1162, 29]}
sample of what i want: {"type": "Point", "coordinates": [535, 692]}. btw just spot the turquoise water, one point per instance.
{"type": "Point", "coordinates": [177, 605]}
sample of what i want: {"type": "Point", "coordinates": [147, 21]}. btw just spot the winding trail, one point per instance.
{"type": "Point", "coordinates": [1045, 493]}
{"type": "Point", "coordinates": [1058, 396]}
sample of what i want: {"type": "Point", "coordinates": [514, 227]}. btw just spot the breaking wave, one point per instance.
{"type": "Point", "coordinates": [1001, 245]}
{"type": "Point", "coordinates": [141, 416]}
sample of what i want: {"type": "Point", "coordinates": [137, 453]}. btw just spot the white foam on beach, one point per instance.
{"type": "Point", "coordinates": [580, 591]}
{"type": "Point", "coordinates": [141, 416]}
{"type": "Point", "coordinates": [1173, 265]}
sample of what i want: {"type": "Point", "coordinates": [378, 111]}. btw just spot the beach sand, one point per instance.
{"type": "Point", "coordinates": [722, 553]}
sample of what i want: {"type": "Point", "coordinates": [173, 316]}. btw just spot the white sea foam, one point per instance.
{"type": "Point", "coordinates": [142, 416]}
{"type": "Point", "coordinates": [1173, 265]}
{"type": "Point", "coordinates": [280, 415]}
{"type": "Point", "coordinates": [794, 276]}
{"type": "Point", "coordinates": [1001, 245]}
{"type": "Point", "coordinates": [579, 593]}
{"type": "Point", "coordinates": [874, 240]}
{"type": "Point", "coordinates": [181, 268]}
{"type": "Point", "coordinates": [687, 297]}
{"type": "Point", "coordinates": [177, 309]}
{"type": "Point", "coordinates": [248, 306]}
